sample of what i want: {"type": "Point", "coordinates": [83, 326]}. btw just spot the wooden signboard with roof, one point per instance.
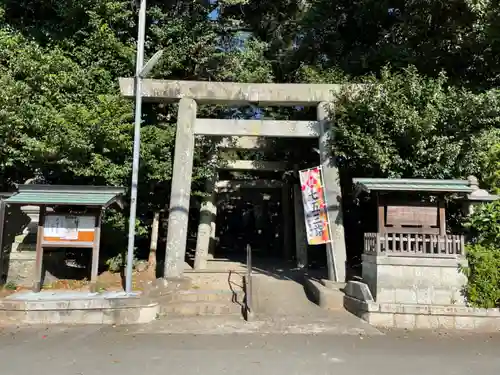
{"type": "Point", "coordinates": [411, 216]}
{"type": "Point", "coordinates": [70, 217]}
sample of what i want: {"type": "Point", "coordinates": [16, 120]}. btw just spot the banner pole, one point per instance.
{"type": "Point", "coordinates": [330, 235]}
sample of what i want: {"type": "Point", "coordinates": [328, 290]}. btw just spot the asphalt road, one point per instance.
{"type": "Point", "coordinates": [93, 350]}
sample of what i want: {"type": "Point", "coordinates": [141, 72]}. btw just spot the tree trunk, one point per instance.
{"type": "Point", "coordinates": [154, 245]}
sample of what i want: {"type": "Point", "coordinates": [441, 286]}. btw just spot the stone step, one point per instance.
{"type": "Point", "coordinates": [161, 287]}
{"type": "Point", "coordinates": [178, 309]}
{"type": "Point", "coordinates": [223, 281]}
{"type": "Point", "coordinates": [326, 294]}
{"type": "Point", "coordinates": [203, 296]}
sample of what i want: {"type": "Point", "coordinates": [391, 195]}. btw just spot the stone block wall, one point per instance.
{"type": "Point", "coordinates": [415, 316]}
{"type": "Point", "coordinates": [415, 280]}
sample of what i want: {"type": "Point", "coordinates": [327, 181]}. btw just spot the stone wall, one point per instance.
{"type": "Point", "coordinates": [416, 293]}
{"type": "Point", "coordinates": [415, 280]}
{"type": "Point", "coordinates": [415, 316]}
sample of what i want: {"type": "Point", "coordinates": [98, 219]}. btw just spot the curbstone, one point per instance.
{"type": "Point", "coordinates": [326, 298]}
{"type": "Point", "coordinates": [358, 290]}
{"type": "Point", "coordinates": [73, 309]}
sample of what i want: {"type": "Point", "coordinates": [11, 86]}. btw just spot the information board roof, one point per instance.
{"type": "Point", "coordinates": [66, 195]}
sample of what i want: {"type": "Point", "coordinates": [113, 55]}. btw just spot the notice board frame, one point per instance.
{"type": "Point", "coordinates": [68, 200]}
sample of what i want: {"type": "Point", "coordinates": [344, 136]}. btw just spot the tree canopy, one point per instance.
{"type": "Point", "coordinates": [431, 109]}
{"type": "Point", "coordinates": [408, 125]}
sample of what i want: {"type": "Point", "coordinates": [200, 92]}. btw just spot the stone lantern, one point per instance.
{"type": "Point", "coordinates": [477, 197]}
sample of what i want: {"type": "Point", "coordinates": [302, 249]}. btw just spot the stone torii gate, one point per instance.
{"type": "Point", "coordinates": [191, 93]}
{"type": "Point", "coordinates": [215, 190]}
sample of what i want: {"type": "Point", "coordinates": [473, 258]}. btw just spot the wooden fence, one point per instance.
{"type": "Point", "coordinates": [412, 244]}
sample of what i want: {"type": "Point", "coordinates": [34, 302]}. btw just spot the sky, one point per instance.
{"type": "Point", "coordinates": [215, 13]}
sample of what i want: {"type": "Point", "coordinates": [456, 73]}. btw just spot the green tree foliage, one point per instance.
{"type": "Point", "coordinates": [490, 160]}
{"type": "Point", "coordinates": [406, 125]}
{"type": "Point", "coordinates": [484, 224]}
{"type": "Point", "coordinates": [60, 65]}
{"type": "Point", "coordinates": [54, 126]}
{"type": "Point", "coordinates": [483, 255]}
{"type": "Point", "coordinates": [62, 119]}
{"type": "Point", "coordinates": [483, 273]}
{"type": "Point", "coordinates": [361, 37]}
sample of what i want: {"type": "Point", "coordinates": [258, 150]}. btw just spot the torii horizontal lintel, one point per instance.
{"type": "Point", "coordinates": [257, 128]}
{"type": "Point", "coordinates": [253, 165]}
{"type": "Point", "coordinates": [209, 92]}
{"type": "Point", "coordinates": [228, 185]}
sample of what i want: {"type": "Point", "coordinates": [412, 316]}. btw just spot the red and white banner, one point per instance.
{"type": "Point", "coordinates": [315, 213]}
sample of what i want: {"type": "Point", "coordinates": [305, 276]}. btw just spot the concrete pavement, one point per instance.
{"type": "Point", "coordinates": [92, 350]}
{"type": "Point", "coordinates": [340, 323]}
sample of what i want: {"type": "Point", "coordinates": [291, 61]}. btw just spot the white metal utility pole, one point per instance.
{"type": "Point", "coordinates": [141, 71]}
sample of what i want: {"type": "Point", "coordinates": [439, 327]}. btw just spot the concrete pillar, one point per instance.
{"type": "Point", "coordinates": [336, 250]}
{"type": "Point", "coordinates": [180, 189]}
{"type": "Point", "coordinates": [300, 228]}
{"type": "Point", "coordinates": [287, 222]}
{"type": "Point", "coordinates": [207, 217]}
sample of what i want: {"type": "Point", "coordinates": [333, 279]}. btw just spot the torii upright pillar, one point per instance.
{"type": "Point", "coordinates": [335, 250]}
{"type": "Point", "coordinates": [181, 189]}
{"type": "Point", "coordinates": [208, 212]}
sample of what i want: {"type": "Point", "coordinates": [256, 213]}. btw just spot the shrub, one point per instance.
{"type": "Point", "coordinates": [117, 263]}
{"type": "Point", "coordinates": [483, 255]}
{"type": "Point", "coordinates": [11, 285]}
{"type": "Point", "coordinates": [484, 224]}
{"type": "Point", "coordinates": [483, 272]}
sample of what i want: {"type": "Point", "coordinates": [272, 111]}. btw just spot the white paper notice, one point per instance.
{"type": "Point", "coordinates": [71, 228]}
{"type": "Point", "coordinates": [54, 226]}
{"type": "Point", "coordinates": [67, 228]}
{"type": "Point", "coordinates": [86, 223]}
